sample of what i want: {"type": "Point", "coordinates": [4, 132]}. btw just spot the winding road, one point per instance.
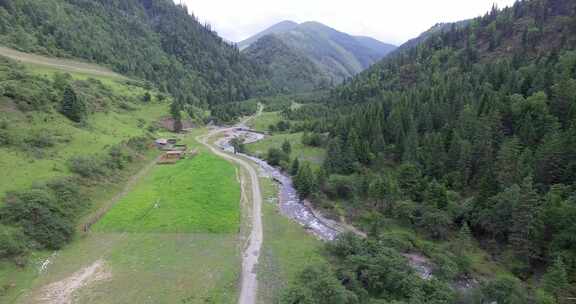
{"type": "Point", "coordinates": [251, 255]}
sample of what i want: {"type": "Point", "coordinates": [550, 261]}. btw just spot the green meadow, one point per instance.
{"type": "Point", "coordinates": [305, 153]}
{"type": "Point", "coordinates": [194, 195]}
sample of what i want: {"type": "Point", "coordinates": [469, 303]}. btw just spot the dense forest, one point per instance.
{"type": "Point", "coordinates": [468, 138]}
{"type": "Point", "coordinates": [154, 40]}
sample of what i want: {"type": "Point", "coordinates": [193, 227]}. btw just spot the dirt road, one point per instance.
{"type": "Point", "coordinates": [251, 255]}
{"type": "Point", "coordinates": [58, 63]}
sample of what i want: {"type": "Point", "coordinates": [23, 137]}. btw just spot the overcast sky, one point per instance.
{"type": "Point", "coordinates": [392, 21]}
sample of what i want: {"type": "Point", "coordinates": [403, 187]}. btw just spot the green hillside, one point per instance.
{"type": "Point", "coordinates": [37, 140]}
{"type": "Point", "coordinates": [288, 69]}
{"type": "Point", "coordinates": [332, 56]}
{"type": "Point", "coordinates": [153, 40]}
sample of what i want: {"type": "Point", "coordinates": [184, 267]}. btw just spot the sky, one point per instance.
{"type": "Point", "coordinates": [391, 21]}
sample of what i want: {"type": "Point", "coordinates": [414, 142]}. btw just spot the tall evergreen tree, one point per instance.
{"type": "Point", "coordinates": [555, 280]}
{"type": "Point", "coordinates": [73, 107]}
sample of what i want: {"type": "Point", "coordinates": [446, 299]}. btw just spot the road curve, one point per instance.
{"type": "Point", "coordinates": [250, 256]}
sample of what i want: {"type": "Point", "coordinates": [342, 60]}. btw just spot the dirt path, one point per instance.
{"type": "Point", "coordinates": [87, 224]}
{"type": "Point", "coordinates": [62, 292]}
{"type": "Point", "coordinates": [251, 255]}
{"type": "Point", "coordinates": [58, 63]}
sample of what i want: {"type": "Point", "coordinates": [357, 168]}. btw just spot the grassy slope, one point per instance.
{"type": "Point", "coordinates": [104, 130]}
{"type": "Point", "coordinates": [147, 267]}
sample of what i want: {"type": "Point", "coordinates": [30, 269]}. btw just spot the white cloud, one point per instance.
{"type": "Point", "coordinates": [390, 21]}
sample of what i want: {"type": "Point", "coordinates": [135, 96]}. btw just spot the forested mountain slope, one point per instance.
{"type": "Point", "coordinates": [335, 54]}
{"type": "Point", "coordinates": [470, 136]}
{"type": "Point", "coordinates": [154, 40]}
{"type": "Point", "coordinates": [288, 69]}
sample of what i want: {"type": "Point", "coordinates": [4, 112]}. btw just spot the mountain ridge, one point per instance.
{"type": "Point", "coordinates": [336, 54]}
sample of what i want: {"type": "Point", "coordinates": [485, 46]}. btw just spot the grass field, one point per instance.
{"type": "Point", "coordinates": [149, 268]}
{"type": "Point", "coordinates": [287, 248]}
{"type": "Point", "coordinates": [194, 195]}
{"type": "Point", "coordinates": [305, 153]}
{"type": "Point", "coordinates": [185, 251]}
{"type": "Point", "coordinates": [262, 122]}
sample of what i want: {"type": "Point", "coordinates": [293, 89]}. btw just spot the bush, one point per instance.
{"type": "Point", "coordinates": [505, 290]}
{"type": "Point", "coordinates": [139, 144]}
{"type": "Point", "coordinates": [40, 219]}
{"type": "Point", "coordinates": [87, 166]}
{"type": "Point", "coordinates": [68, 194]}
{"type": "Point", "coordinates": [12, 242]}
{"type": "Point", "coordinates": [318, 285]}
{"type": "Point", "coordinates": [42, 139]}
{"type": "Point", "coordinates": [118, 157]}
{"type": "Point", "coordinates": [276, 156]}
{"type": "Point", "coordinates": [6, 138]}
{"type": "Point", "coordinates": [340, 186]}
{"type": "Point", "coordinates": [313, 140]}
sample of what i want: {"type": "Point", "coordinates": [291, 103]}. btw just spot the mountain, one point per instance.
{"type": "Point", "coordinates": [290, 70]}
{"type": "Point", "coordinates": [336, 55]}
{"type": "Point", "coordinates": [154, 40]}
{"type": "Point", "coordinates": [281, 27]}
{"type": "Point", "coordinates": [467, 138]}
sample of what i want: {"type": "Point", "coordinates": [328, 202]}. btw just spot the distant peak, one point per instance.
{"type": "Point", "coordinates": [313, 23]}
{"type": "Point", "coordinates": [287, 22]}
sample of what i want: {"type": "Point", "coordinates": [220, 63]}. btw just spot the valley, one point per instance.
{"type": "Point", "coordinates": [148, 158]}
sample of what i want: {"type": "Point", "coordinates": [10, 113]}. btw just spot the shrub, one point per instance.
{"type": "Point", "coordinates": [42, 139]}
{"type": "Point", "coordinates": [505, 290]}
{"type": "Point", "coordinates": [48, 228]}
{"type": "Point", "coordinates": [12, 242]}
{"type": "Point", "coordinates": [318, 284]}
{"type": "Point", "coordinates": [139, 144]}
{"type": "Point", "coordinates": [6, 138]}
{"type": "Point", "coordinates": [340, 186]}
{"type": "Point", "coordinates": [118, 157]}
{"type": "Point", "coordinates": [87, 166]}
{"type": "Point", "coordinates": [69, 196]}
{"type": "Point", "coordinates": [275, 156]}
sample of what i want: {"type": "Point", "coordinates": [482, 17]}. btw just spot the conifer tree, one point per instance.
{"type": "Point", "coordinates": [555, 280]}
{"type": "Point", "coordinates": [295, 167]}
{"type": "Point", "coordinates": [286, 147]}
{"type": "Point", "coordinates": [525, 224]}
{"type": "Point", "coordinates": [304, 181]}
{"type": "Point", "coordinates": [465, 237]}
{"type": "Point", "coordinates": [73, 107]}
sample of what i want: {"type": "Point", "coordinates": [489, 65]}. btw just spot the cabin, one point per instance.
{"type": "Point", "coordinates": [180, 147]}
{"type": "Point", "coordinates": [171, 157]}
{"type": "Point", "coordinates": [161, 142]}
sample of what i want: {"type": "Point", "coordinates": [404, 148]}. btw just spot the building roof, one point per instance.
{"type": "Point", "coordinates": [162, 141]}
